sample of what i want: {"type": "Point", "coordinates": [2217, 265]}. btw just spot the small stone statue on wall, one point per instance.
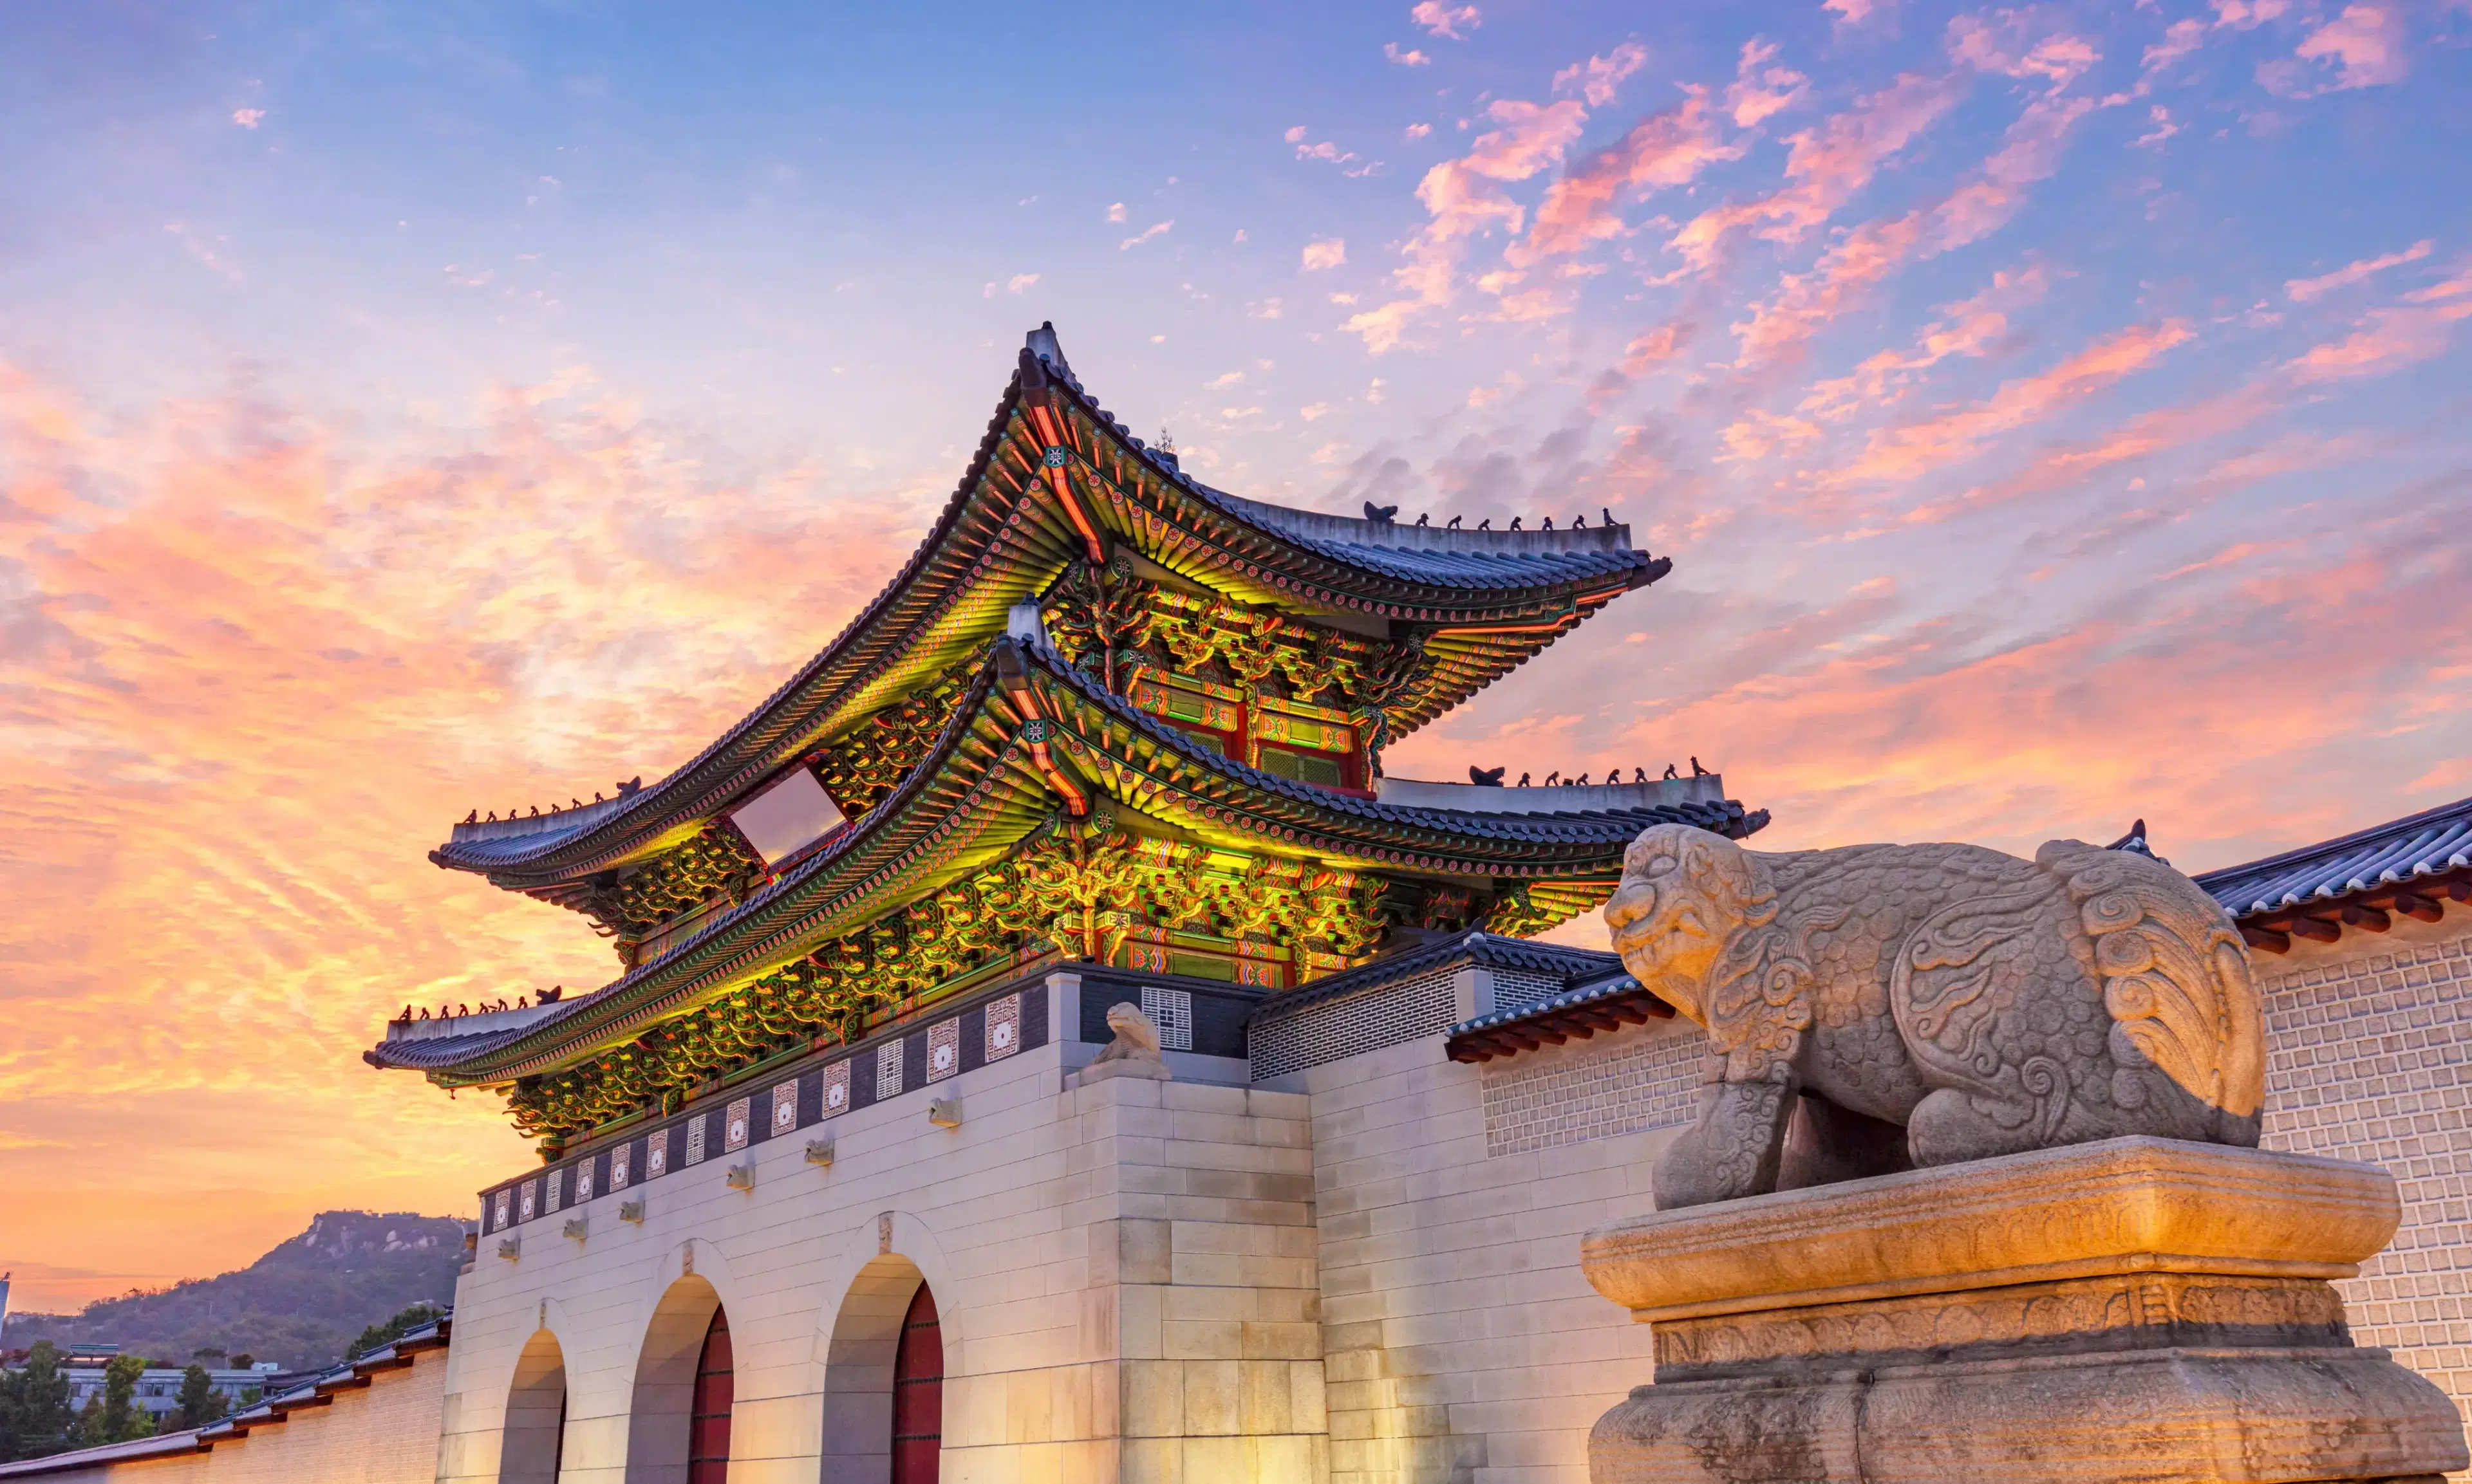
{"type": "Point", "coordinates": [1133, 1052]}
{"type": "Point", "coordinates": [1883, 1007]}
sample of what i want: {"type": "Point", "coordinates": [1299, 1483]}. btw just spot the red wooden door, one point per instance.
{"type": "Point", "coordinates": [708, 1423]}
{"type": "Point", "coordinates": [918, 1394]}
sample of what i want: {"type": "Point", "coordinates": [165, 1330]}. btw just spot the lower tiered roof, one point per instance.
{"type": "Point", "coordinates": [1033, 734]}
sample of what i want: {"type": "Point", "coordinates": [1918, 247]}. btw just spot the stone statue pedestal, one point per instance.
{"type": "Point", "coordinates": [2134, 1310]}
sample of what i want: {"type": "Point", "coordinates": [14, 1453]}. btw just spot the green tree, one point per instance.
{"type": "Point", "coordinates": [36, 1419]}
{"type": "Point", "coordinates": [115, 1417]}
{"type": "Point", "coordinates": [200, 1403]}
{"type": "Point", "coordinates": [404, 1322]}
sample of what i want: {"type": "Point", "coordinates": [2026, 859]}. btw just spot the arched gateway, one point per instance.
{"type": "Point", "coordinates": [678, 1430]}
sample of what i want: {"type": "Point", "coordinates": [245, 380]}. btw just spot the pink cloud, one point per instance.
{"type": "Point", "coordinates": [1600, 77]}
{"type": "Point", "coordinates": [1463, 197]}
{"type": "Point", "coordinates": [1152, 232]}
{"type": "Point", "coordinates": [1760, 90]}
{"type": "Point", "coordinates": [248, 118]}
{"type": "Point", "coordinates": [1902, 454]}
{"type": "Point", "coordinates": [2387, 340]}
{"type": "Point", "coordinates": [1804, 303]}
{"type": "Point", "coordinates": [2000, 45]}
{"type": "Point", "coordinates": [1660, 151]}
{"type": "Point", "coordinates": [2366, 43]}
{"type": "Point", "coordinates": [1406, 58]}
{"type": "Point", "coordinates": [1967, 328]}
{"type": "Point", "coordinates": [2179, 39]}
{"type": "Point", "coordinates": [1826, 166]}
{"type": "Point", "coordinates": [1444, 20]}
{"type": "Point", "coordinates": [2303, 290]}
{"type": "Point", "coordinates": [2244, 14]}
{"type": "Point", "coordinates": [1655, 347]}
{"type": "Point", "coordinates": [1326, 252]}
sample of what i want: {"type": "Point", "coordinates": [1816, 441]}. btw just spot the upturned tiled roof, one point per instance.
{"type": "Point", "coordinates": [2392, 854]}
{"type": "Point", "coordinates": [1606, 1003]}
{"type": "Point", "coordinates": [2411, 865]}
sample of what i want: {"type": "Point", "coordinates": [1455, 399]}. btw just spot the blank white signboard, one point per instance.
{"type": "Point", "coordinates": [791, 814]}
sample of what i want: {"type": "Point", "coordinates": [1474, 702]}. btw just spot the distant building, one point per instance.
{"type": "Point", "coordinates": [158, 1387]}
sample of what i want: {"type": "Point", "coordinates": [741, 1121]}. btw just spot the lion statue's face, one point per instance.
{"type": "Point", "coordinates": [1679, 904]}
{"type": "Point", "coordinates": [1132, 1027]}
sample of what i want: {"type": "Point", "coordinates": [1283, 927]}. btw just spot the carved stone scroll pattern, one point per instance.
{"type": "Point", "coordinates": [2124, 1310]}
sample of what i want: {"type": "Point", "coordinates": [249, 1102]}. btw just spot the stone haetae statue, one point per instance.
{"type": "Point", "coordinates": [1883, 1007]}
{"type": "Point", "coordinates": [1133, 1052]}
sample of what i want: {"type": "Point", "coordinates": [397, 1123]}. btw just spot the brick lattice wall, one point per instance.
{"type": "Point", "coordinates": [1624, 1083]}
{"type": "Point", "coordinates": [2368, 1054]}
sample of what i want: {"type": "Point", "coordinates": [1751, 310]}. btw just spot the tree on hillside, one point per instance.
{"type": "Point", "coordinates": [34, 1415]}
{"type": "Point", "coordinates": [200, 1403]}
{"type": "Point", "coordinates": [115, 1417]}
{"type": "Point", "coordinates": [405, 1321]}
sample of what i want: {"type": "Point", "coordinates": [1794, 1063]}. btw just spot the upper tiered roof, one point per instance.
{"type": "Point", "coordinates": [1477, 603]}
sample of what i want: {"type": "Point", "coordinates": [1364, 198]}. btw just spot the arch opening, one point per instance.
{"type": "Point", "coordinates": [533, 1444]}
{"type": "Point", "coordinates": [918, 1393]}
{"type": "Point", "coordinates": [874, 1345]}
{"type": "Point", "coordinates": [662, 1441]}
{"type": "Point", "coordinates": [708, 1417]}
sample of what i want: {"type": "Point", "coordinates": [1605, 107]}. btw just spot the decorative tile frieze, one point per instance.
{"type": "Point", "coordinates": [933, 1052]}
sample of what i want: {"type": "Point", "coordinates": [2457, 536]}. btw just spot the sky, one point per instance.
{"type": "Point", "coordinates": [2055, 415]}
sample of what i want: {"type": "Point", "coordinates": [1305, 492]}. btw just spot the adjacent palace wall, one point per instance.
{"type": "Point", "coordinates": [1343, 1257]}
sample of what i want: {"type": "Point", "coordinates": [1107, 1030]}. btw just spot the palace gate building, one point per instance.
{"type": "Point", "coordinates": [831, 1188]}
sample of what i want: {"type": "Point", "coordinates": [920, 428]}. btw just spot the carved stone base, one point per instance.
{"type": "Point", "coordinates": [2137, 1309]}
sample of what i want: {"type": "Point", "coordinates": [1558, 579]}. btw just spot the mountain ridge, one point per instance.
{"type": "Point", "coordinates": [300, 1304]}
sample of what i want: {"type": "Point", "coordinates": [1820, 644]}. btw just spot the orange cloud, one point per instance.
{"type": "Point", "coordinates": [252, 668]}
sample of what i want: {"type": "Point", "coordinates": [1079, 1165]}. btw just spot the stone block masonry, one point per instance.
{"type": "Point", "coordinates": [2369, 1046]}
